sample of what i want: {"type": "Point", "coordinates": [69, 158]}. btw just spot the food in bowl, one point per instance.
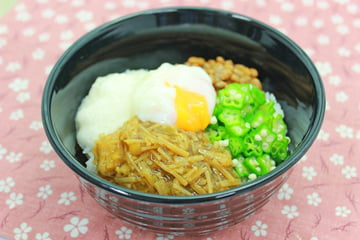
{"type": "Point", "coordinates": [164, 159]}
{"type": "Point", "coordinates": [150, 38]}
{"type": "Point", "coordinates": [194, 128]}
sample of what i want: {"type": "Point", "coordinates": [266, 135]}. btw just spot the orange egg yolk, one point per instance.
{"type": "Point", "coordinates": [192, 110]}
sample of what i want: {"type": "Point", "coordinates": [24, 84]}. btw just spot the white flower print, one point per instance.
{"type": "Point", "coordinates": [13, 67]}
{"type": "Point", "coordinates": [287, 7]}
{"type": "Point", "coordinates": [14, 200]}
{"type": "Point", "coordinates": [45, 147]}
{"type": "Point", "coordinates": [349, 172]}
{"type": "Point", "coordinates": [43, 236]}
{"type": "Point", "coordinates": [309, 173]}
{"type": "Point", "coordinates": [342, 29]}
{"type": "Point", "coordinates": [23, 16]}
{"type": "Point", "coordinates": [47, 165]}
{"type": "Point", "coordinates": [309, 51]}
{"type": "Point", "coordinates": [336, 19]}
{"type": "Point", "coordinates": [44, 37]}
{"type": "Point", "coordinates": [342, 2]}
{"type": "Point", "coordinates": [314, 199]}
{"type": "Point", "coordinates": [342, 211]}
{"type": "Point", "coordinates": [283, 30]}
{"type": "Point", "coordinates": [227, 4]}
{"type": "Point", "coordinates": [344, 131]}
{"type": "Point", "coordinates": [16, 115]}
{"type": "Point", "coordinates": [110, 5]}
{"type": "Point", "coordinates": [318, 23]}
{"type": "Point", "coordinates": [341, 96]}
{"type": "Point", "coordinates": [89, 26]}
{"type": "Point", "coordinates": [285, 192]}
{"type": "Point", "coordinates": [28, 31]}
{"type": "Point", "coordinates": [290, 211]}
{"type": "Point", "coordinates": [48, 69]}
{"type": "Point", "coordinates": [352, 8]}
{"type": "Point", "coordinates": [61, 19]}
{"type": "Point", "coordinates": [20, 7]}
{"type": "Point", "coordinates": [84, 15]}
{"type": "Point", "coordinates": [164, 237]}
{"type": "Point", "coordinates": [323, 135]}
{"type": "Point", "coordinates": [304, 158]}
{"type": "Point", "coordinates": [44, 191]}
{"type": "Point", "coordinates": [42, 1]}
{"type": "Point", "coordinates": [344, 52]}
{"type": "Point", "coordinates": [259, 229]}
{"type": "Point", "coordinates": [275, 19]}
{"type": "Point", "coordinates": [356, 23]}
{"type": "Point", "coordinates": [327, 106]}
{"type": "Point", "coordinates": [3, 42]}
{"type": "Point", "coordinates": [38, 54]}
{"type": "Point", "coordinates": [36, 125]}
{"type": "Point", "coordinates": [129, 3]}
{"type": "Point", "coordinates": [142, 5]}
{"type": "Point", "coordinates": [324, 68]}
{"type": "Point", "coordinates": [66, 198]}
{"type": "Point", "coordinates": [7, 184]}
{"type": "Point", "coordinates": [47, 13]}
{"type": "Point", "coordinates": [3, 151]}
{"type": "Point", "coordinates": [124, 233]}
{"type": "Point", "coordinates": [301, 21]}
{"type": "Point", "coordinates": [65, 45]}
{"type": "Point", "coordinates": [21, 233]}
{"type": "Point", "coordinates": [23, 97]}
{"type": "Point", "coordinates": [67, 35]}
{"type": "Point", "coordinates": [337, 159]}
{"type": "Point", "coordinates": [19, 84]}
{"type": "Point", "coordinates": [77, 3]}
{"type": "Point", "coordinates": [76, 226]}
{"type": "Point", "coordinates": [3, 29]}
{"type": "Point", "coordinates": [323, 39]}
{"type": "Point", "coordinates": [14, 157]}
{"type": "Point", "coordinates": [356, 67]}
{"type": "Point", "coordinates": [322, 4]}
{"type": "Point", "coordinates": [334, 80]}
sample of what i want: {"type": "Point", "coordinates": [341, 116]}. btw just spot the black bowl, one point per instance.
{"type": "Point", "coordinates": [147, 39]}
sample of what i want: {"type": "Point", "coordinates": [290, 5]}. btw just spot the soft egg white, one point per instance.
{"type": "Point", "coordinates": [154, 98]}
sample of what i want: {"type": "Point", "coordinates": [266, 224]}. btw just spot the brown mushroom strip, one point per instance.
{"type": "Point", "coordinates": [148, 157]}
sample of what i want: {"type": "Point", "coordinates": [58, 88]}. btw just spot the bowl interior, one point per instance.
{"type": "Point", "coordinates": [146, 40]}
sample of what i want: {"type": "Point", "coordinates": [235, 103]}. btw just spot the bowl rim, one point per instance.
{"type": "Point", "coordinates": [83, 173]}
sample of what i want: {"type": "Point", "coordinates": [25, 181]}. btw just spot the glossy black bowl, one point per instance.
{"type": "Point", "coordinates": [147, 39]}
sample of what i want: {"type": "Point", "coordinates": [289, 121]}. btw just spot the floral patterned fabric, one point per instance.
{"type": "Point", "coordinates": [40, 198]}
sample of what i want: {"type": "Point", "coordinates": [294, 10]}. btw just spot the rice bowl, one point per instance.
{"type": "Point", "coordinates": [172, 35]}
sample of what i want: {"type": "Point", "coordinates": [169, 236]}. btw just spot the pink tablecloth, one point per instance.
{"type": "Point", "coordinates": [40, 198]}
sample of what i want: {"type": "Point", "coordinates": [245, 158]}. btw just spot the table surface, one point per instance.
{"type": "Point", "coordinates": [40, 198]}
